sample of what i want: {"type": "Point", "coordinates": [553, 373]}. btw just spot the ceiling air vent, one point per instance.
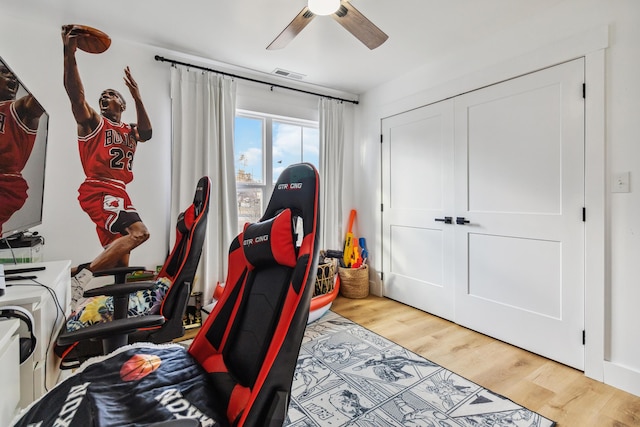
{"type": "Point", "coordinates": [289, 74]}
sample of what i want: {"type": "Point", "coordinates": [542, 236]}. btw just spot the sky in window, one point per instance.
{"type": "Point", "coordinates": [248, 147]}
{"type": "Point", "coordinates": [292, 143]}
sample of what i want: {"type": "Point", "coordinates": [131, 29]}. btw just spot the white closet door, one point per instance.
{"type": "Point", "coordinates": [507, 163]}
{"type": "Point", "coordinates": [519, 149]}
{"type": "Point", "coordinates": [417, 190]}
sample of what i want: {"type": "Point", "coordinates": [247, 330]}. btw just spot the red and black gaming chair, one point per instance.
{"type": "Point", "coordinates": [239, 369]}
{"type": "Point", "coordinates": [161, 324]}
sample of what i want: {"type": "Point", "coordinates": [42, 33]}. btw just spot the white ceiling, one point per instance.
{"type": "Point", "coordinates": [237, 32]}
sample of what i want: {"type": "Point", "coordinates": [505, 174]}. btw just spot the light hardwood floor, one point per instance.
{"type": "Point", "coordinates": [556, 391]}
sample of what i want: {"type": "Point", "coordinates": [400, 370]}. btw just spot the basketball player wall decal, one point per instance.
{"type": "Point", "coordinates": [107, 147]}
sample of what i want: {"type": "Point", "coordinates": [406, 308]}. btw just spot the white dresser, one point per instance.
{"type": "Point", "coordinates": [41, 371]}
{"type": "Point", "coordinates": [9, 359]}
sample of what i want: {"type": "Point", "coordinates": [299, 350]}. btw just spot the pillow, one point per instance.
{"type": "Point", "coordinates": [270, 241]}
{"type": "Point", "coordinates": [99, 309]}
{"type": "Point", "coordinates": [186, 220]}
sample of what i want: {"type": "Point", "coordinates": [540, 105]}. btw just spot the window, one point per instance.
{"type": "Point", "coordinates": [264, 146]}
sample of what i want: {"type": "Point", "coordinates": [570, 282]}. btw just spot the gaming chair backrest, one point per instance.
{"type": "Point", "coordinates": [250, 342]}
{"type": "Point", "coordinates": [183, 260]}
{"type": "Point", "coordinates": [291, 192]}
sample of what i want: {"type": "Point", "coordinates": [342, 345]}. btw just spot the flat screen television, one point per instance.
{"type": "Point", "coordinates": [23, 147]}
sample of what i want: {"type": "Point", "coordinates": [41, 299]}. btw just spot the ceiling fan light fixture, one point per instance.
{"type": "Point", "coordinates": [323, 7]}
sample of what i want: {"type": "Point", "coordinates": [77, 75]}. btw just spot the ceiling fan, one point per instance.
{"type": "Point", "coordinates": [341, 11]}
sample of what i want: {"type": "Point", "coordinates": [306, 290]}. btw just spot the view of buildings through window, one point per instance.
{"type": "Point", "coordinates": [264, 146]}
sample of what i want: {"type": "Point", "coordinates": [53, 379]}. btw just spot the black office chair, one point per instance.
{"type": "Point", "coordinates": [239, 369]}
{"type": "Point", "coordinates": [170, 293]}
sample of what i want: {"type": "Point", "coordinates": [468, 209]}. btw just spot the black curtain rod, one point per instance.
{"type": "Point", "coordinates": [173, 61]}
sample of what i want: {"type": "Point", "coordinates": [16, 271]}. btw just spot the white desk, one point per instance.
{"type": "Point", "coordinates": [41, 371]}
{"type": "Point", "coordinates": [9, 358]}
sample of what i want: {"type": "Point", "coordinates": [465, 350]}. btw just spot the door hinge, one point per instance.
{"type": "Point", "coordinates": [584, 337]}
{"type": "Point", "coordinates": [381, 207]}
{"type": "Point", "coordinates": [584, 214]}
{"type": "Point", "coordinates": [381, 138]}
{"type": "Point", "coordinates": [584, 90]}
{"type": "Point", "coordinates": [382, 275]}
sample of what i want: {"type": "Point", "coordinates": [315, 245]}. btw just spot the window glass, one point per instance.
{"type": "Point", "coordinates": [250, 205]}
{"type": "Point", "coordinates": [249, 150]}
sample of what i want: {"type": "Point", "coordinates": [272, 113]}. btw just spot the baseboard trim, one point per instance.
{"type": "Point", "coordinates": [622, 377]}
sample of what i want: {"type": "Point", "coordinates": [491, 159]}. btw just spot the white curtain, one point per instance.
{"type": "Point", "coordinates": [203, 114]}
{"type": "Point", "coordinates": [331, 126]}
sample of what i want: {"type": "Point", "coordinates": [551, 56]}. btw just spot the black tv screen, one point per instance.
{"type": "Point", "coordinates": [23, 148]}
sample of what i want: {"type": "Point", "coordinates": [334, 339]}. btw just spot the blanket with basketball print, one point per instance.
{"type": "Point", "coordinates": [136, 385]}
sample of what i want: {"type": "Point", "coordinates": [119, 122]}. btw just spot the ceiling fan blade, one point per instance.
{"type": "Point", "coordinates": [358, 25]}
{"type": "Point", "coordinates": [293, 29]}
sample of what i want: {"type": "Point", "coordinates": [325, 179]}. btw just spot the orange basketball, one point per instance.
{"type": "Point", "coordinates": [139, 366]}
{"type": "Point", "coordinates": [90, 39]}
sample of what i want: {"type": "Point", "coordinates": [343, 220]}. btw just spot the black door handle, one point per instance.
{"type": "Point", "coordinates": [461, 221]}
{"type": "Point", "coordinates": [446, 220]}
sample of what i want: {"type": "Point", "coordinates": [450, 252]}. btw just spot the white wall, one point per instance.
{"type": "Point", "coordinates": [573, 28]}
{"type": "Point", "coordinates": [280, 102]}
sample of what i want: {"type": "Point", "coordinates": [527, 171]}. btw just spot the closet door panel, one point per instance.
{"type": "Point", "coordinates": [519, 263]}
{"type": "Point", "coordinates": [417, 190]}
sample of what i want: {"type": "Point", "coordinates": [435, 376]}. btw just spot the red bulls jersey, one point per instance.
{"type": "Point", "coordinates": [108, 151]}
{"type": "Point", "coordinates": [16, 140]}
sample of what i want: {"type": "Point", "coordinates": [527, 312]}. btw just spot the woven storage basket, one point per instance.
{"type": "Point", "coordinates": [325, 277]}
{"type": "Point", "coordinates": [354, 282]}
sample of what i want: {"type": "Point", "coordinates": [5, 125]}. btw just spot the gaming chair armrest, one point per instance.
{"type": "Point", "coordinates": [119, 273]}
{"type": "Point", "coordinates": [109, 329]}
{"type": "Point", "coordinates": [118, 289]}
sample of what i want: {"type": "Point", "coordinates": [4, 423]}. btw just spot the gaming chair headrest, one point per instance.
{"type": "Point", "coordinates": [186, 220]}
{"type": "Point", "coordinates": [270, 242]}
{"type": "Point", "coordinates": [295, 189]}
{"type": "Point", "coordinates": [201, 195]}
{"type": "Point", "coordinates": [27, 344]}
{"type": "Point", "coordinates": [200, 203]}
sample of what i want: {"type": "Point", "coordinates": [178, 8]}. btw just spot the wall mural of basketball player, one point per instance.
{"type": "Point", "coordinates": [107, 148]}
{"type": "Point", "coordinates": [19, 119]}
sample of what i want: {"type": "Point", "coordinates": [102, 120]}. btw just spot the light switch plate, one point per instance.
{"type": "Point", "coordinates": [620, 183]}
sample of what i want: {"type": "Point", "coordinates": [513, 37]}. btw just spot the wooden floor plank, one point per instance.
{"type": "Point", "coordinates": [556, 391]}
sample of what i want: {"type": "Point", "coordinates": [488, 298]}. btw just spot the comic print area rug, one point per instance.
{"type": "Point", "coordinates": [350, 376]}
